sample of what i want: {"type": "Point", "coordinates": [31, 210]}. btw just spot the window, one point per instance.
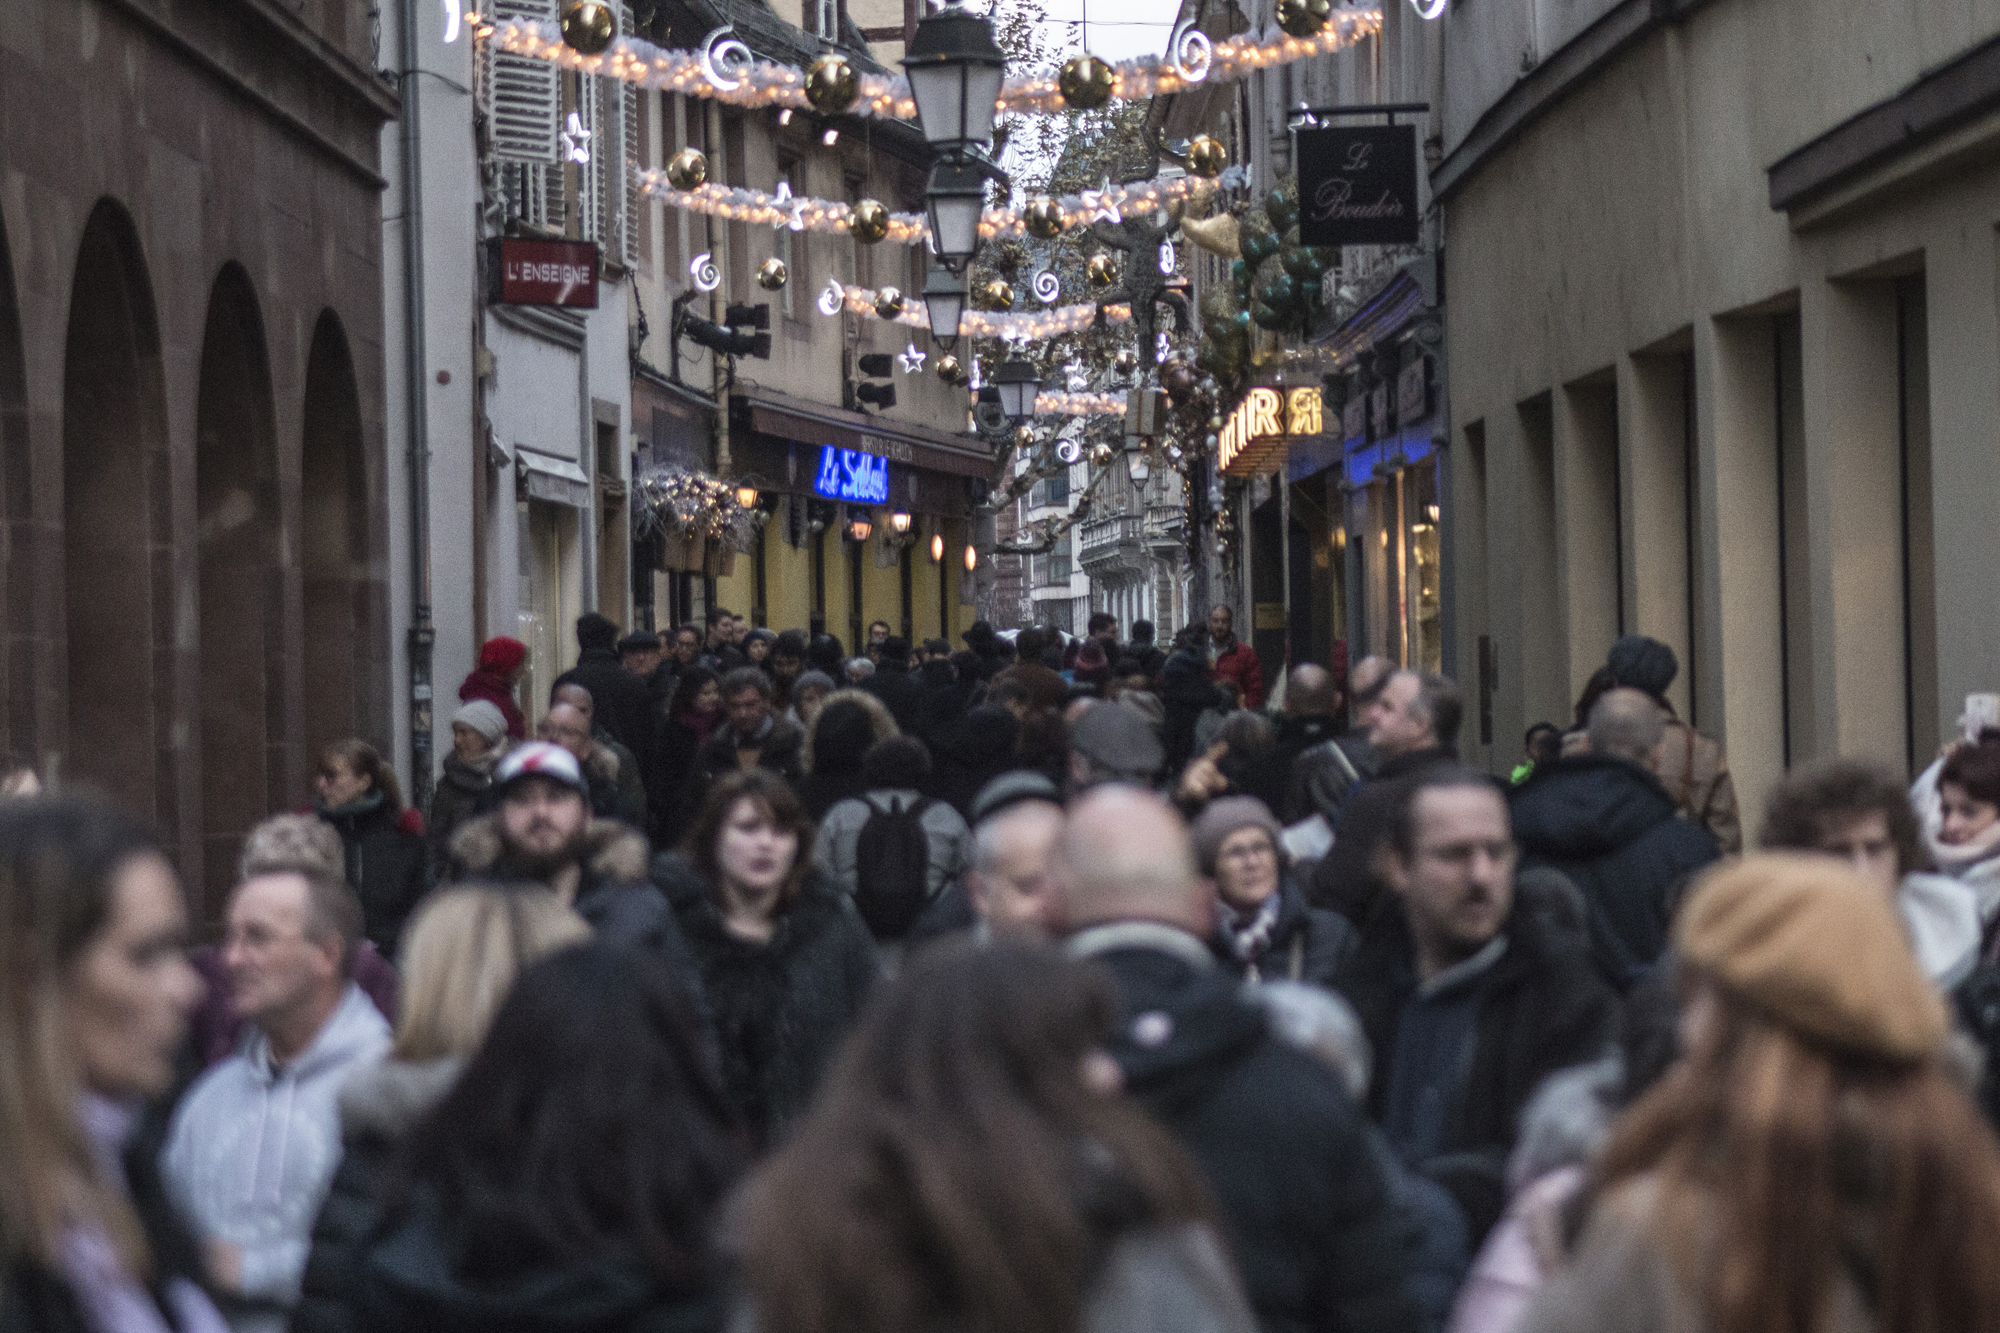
{"type": "Point", "coordinates": [1051, 490]}
{"type": "Point", "coordinates": [789, 245]}
{"type": "Point", "coordinates": [1056, 563]}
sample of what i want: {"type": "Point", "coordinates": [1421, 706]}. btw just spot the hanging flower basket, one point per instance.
{"type": "Point", "coordinates": [700, 524]}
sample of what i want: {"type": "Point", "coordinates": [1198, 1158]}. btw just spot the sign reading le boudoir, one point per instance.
{"type": "Point", "coordinates": [849, 474]}
{"type": "Point", "coordinates": [1358, 185]}
{"type": "Point", "coordinates": [524, 272]}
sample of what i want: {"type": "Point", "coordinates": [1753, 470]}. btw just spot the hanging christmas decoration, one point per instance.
{"type": "Point", "coordinates": [869, 223]}
{"type": "Point", "coordinates": [998, 294]}
{"type": "Point", "coordinates": [702, 269]}
{"type": "Point", "coordinates": [724, 69]}
{"type": "Point", "coordinates": [1047, 287]}
{"type": "Point", "coordinates": [1126, 361]}
{"type": "Point", "coordinates": [948, 369]}
{"type": "Point", "coordinates": [1303, 18]}
{"type": "Point", "coordinates": [687, 169]}
{"type": "Point", "coordinates": [911, 359]}
{"type": "Point", "coordinates": [832, 84]}
{"type": "Point", "coordinates": [1101, 453]}
{"type": "Point", "coordinates": [980, 323]}
{"type": "Point", "coordinates": [725, 61]}
{"type": "Point", "coordinates": [1190, 51]}
{"type": "Point", "coordinates": [1102, 270]}
{"type": "Point", "coordinates": [1080, 405]}
{"type": "Point", "coordinates": [575, 140]}
{"type": "Point", "coordinates": [1043, 218]}
{"type": "Point", "coordinates": [1206, 156]}
{"type": "Point", "coordinates": [694, 506]}
{"type": "Point", "coordinates": [832, 298]}
{"type": "Point", "coordinates": [1166, 256]}
{"type": "Point", "coordinates": [1177, 378]}
{"type": "Point", "coordinates": [772, 274]}
{"type": "Point", "coordinates": [1087, 83]}
{"type": "Point", "coordinates": [588, 26]}
{"type": "Point", "coordinates": [888, 303]}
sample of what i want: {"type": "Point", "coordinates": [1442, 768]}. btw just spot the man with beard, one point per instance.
{"type": "Point", "coordinates": [541, 832]}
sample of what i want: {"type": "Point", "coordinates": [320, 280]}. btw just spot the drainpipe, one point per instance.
{"type": "Point", "coordinates": [422, 634]}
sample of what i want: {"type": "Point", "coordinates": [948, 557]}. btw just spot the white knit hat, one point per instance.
{"type": "Point", "coordinates": [483, 716]}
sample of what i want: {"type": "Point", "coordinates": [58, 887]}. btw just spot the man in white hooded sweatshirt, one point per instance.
{"type": "Point", "coordinates": [254, 1144]}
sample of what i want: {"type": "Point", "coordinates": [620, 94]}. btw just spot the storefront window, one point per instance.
{"type": "Point", "coordinates": [1423, 515]}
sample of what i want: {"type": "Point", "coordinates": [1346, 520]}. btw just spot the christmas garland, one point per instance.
{"type": "Point", "coordinates": [693, 505]}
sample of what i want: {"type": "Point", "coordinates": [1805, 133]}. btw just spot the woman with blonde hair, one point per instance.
{"type": "Point", "coordinates": [1809, 1166]}
{"type": "Point", "coordinates": [465, 946]}
{"type": "Point", "coordinates": [92, 937]}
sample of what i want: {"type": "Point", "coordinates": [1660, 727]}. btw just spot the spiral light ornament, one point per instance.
{"type": "Point", "coordinates": [724, 59]}
{"type": "Point", "coordinates": [1190, 51]}
{"type": "Point", "coordinates": [702, 269]}
{"type": "Point", "coordinates": [1047, 286]}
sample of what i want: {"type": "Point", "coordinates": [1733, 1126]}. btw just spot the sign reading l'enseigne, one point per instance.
{"type": "Point", "coordinates": [1358, 185]}
{"type": "Point", "coordinates": [524, 272]}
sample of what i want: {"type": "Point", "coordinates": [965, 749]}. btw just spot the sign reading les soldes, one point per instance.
{"type": "Point", "coordinates": [849, 474]}
{"type": "Point", "coordinates": [1358, 186]}
{"type": "Point", "coordinates": [524, 272]}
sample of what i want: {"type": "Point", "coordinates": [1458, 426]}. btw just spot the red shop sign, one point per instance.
{"type": "Point", "coordinates": [524, 272]}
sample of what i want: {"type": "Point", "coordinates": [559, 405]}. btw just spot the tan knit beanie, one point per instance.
{"type": "Point", "coordinates": [1809, 941]}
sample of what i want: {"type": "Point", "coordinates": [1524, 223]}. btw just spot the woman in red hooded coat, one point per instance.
{"type": "Point", "coordinates": [500, 663]}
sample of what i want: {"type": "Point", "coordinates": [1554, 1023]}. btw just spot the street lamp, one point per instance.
{"type": "Point", "coordinates": [899, 521]}
{"type": "Point", "coordinates": [858, 526]}
{"type": "Point", "coordinates": [746, 495]}
{"type": "Point", "coordinates": [944, 299]}
{"type": "Point", "coordinates": [955, 69]}
{"type": "Point", "coordinates": [1139, 462]}
{"type": "Point", "coordinates": [953, 201]}
{"type": "Point", "coordinates": [1018, 384]}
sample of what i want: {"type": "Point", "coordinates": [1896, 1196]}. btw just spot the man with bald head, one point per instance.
{"type": "Point", "coordinates": [570, 727]}
{"type": "Point", "coordinates": [1604, 820]}
{"type": "Point", "coordinates": [1311, 718]}
{"type": "Point", "coordinates": [1284, 1149]}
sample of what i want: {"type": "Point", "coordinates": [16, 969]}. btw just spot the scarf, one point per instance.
{"type": "Point", "coordinates": [701, 724]}
{"type": "Point", "coordinates": [1249, 933]}
{"type": "Point", "coordinates": [1976, 864]}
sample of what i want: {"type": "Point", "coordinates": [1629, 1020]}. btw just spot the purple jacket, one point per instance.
{"type": "Point", "coordinates": [218, 1029]}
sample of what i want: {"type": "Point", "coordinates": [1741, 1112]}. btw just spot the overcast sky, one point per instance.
{"type": "Point", "coordinates": [1119, 29]}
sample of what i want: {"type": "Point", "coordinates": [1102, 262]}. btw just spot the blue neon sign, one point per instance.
{"type": "Point", "coordinates": [849, 474]}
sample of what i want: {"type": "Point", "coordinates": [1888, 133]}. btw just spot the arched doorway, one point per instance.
{"type": "Point", "coordinates": [241, 580]}
{"type": "Point", "coordinates": [343, 588]}
{"type": "Point", "coordinates": [117, 567]}
{"type": "Point", "coordinates": [18, 686]}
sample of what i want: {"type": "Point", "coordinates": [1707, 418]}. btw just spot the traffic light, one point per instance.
{"type": "Point", "coordinates": [876, 366]}
{"type": "Point", "coordinates": [746, 333]}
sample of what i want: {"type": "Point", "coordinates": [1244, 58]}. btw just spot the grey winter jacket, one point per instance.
{"type": "Point", "coordinates": [835, 849]}
{"type": "Point", "coordinates": [252, 1149]}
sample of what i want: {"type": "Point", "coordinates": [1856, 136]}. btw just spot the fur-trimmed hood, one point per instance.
{"type": "Point", "coordinates": [385, 1101]}
{"type": "Point", "coordinates": [612, 852]}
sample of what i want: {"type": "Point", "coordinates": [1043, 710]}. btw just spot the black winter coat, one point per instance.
{"type": "Point", "coordinates": [781, 752]}
{"type": "Point", "coordinates": [1295, 736]}
{"type": "Point", "coordinates": [1541, 1007]}
{"type": "Point", "coordinates": [1345, 880]}
{"type": "Point", "coordinates": [899, 691]}
{"type": "Point", "coordinates": [621, 702]}
{"type": "Point", "coordinates": [387, 867]}
{"type": "Point", "coordinates": [379, 1107]}
{"type": "Point", "coordinates": [1612, 829]}
{"type": "Point", "coordinates": [1306, 943]}
{"type": "Point", "coordinates": [1185, 691]}
{"type": "Point", "coordinates": [674, 790]}
{"type": "Point", "coordinates": [782, 1007]}
{"type": "Point", "coordinates": [462, 792]}
{"type": "Point", "coordinates": [1302, 1197]}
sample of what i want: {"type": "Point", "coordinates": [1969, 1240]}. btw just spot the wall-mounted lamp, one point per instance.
{"type": "Point", "coordinates": [746, 495]}
{"type": "Point", "coordinates": [937, 548]}
{"type": "Point", "coordinates": [971, 558]}
{"type": "Point", "coordinates": [859, 526]}
{"type": "Point", "coordinates": [899, 522]}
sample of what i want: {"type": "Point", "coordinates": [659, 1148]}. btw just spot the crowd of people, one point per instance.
{"type": "Point", "coordinates": [1039, 986]}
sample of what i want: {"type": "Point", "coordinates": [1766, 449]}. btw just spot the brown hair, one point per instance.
{"type": "Point", "coordinates": [1976, 767]}
{"type": "Point", "coordinates": [59, 860]}
{"type": "Point", "coordinates": [956, 1172]}
{"type": "Point", "coordinates": [775, 801]}
{"type": "Point", "coordinates": [1814, 800]}
{"type": "Point", "coordinates": [367, 761]}
{"type": "Point", "coordinates": [1773, 1153]}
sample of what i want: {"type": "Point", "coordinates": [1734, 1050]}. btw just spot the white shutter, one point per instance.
{"type": "Point", "coordinates": [522, 98]}
{"type": "Point", "coordinates": [623, 186]}
{"type": "Point", "coordinates": [591, 95]}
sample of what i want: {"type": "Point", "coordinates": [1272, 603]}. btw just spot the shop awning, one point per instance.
{"type": "Point", "coordinates": [546, 477]}
{"type": "Point", "coordinates": [787, 418]}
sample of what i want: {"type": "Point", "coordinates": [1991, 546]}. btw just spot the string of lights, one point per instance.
{"type": "Point", "coordinates": [1081, 404]}
{"type": "Point", "coordinates": [765, 83]}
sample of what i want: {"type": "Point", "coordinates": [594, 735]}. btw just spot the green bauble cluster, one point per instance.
{"type": "Point", "coordinates": [1225, 335]}
{"type": "Point", "coordinates": [1277, 280]}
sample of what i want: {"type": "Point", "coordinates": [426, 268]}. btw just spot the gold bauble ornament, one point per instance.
{"type": "Point", "coordinates": [832, 84]}
{"type": "Point", "coordinates": [869, 222]}
{"type": "Point", "coordinates": [1102, 270]}
{"type": "Point", "coordinates": [1303, 18]}
{"type": "Point", "coordinates": [1043, 217]}
{"type": "Point", "coordinates": [1024, 436]}
{"type": "Point", "coordinates": [1206, 156]}
{"type": "Point", "coordinates": [1215, 422]}
{"type": "Point", "coordinates": [999, 295]}
{"type": "Point", "coordinates": [771, 274]}
{"type": "Point", "coordinates": [1087, 83]}
{"type": "Point", "coordinates": [687, 169]}
{"type": "Point", "coordinates": [1126, 361]}
{"type": "Point", "coordinates": [889, 302]}
{"type": "Point", "coordinates": [588, 26]}
{"type": "Point", "coordinates": [1101, 454]}
{"type": "Point", "coordinates": [949, 370]}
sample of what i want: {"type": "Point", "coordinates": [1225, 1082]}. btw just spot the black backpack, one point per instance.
{"type": "Point", "coordinates": [892, 867]}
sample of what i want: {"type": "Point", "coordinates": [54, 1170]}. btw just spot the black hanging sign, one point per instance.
{"type": "Point", "coordinates": [1358, 185]}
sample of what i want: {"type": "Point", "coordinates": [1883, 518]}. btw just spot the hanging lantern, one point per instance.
{"type": "Point", "coordinates": [1043, 217]}
{"type": "Point", "coordinates": [944, 302]}
{"type": "Point", "coordinates": [588, 26]}
{"type": "Point", "coordinates": [1087, 83]}
{"type": "Point", "coordinates": [771, 274]}
{"type": "Point", "coordinates": [955, 68]}
{"type": "Point", "coordinates": [687, 169]}
{"type": "Point", "coordinates": [869, 223]}
{"type": "Point", "coordinates": [1206, 156]}
{"type": "Point", "coordinates": [889, 302]}
{"type": "Point", "coordinates": [1303, 18]}
{"type": "Point", "coordinates": [949, 370]}
{"type": "Point", "coordinates": [832, 84]}
{"type": "Point", "coordinates": [1102, 270]}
